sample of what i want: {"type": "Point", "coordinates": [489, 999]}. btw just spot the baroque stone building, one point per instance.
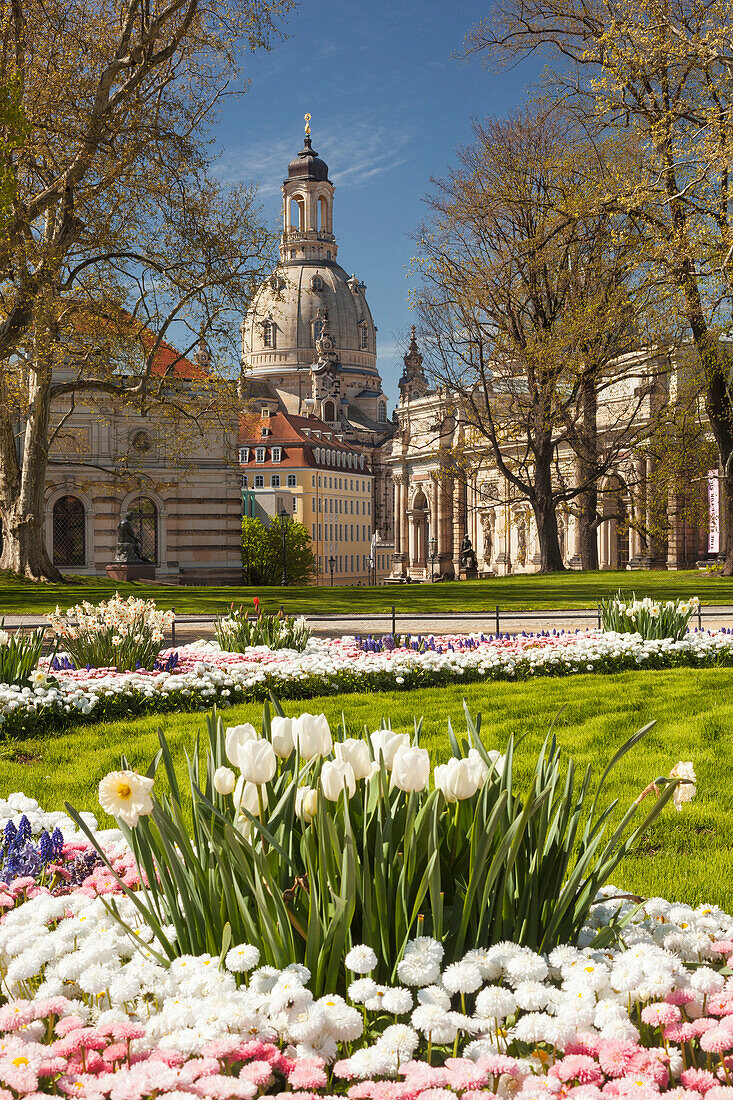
{"type": "Point", "coordinates": [439, 504]}
{"type": "Point", "coordinates": [107, 460]}
{"type": "Point", "coordinates": [309, 342]}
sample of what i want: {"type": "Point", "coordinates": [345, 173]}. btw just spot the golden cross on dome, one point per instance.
{"type": "Point", "coordinates": [307, 124]}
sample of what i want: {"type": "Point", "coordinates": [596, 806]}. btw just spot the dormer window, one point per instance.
{"type": "Point", "coordinates": [268, 333]}
{"type": "Point", "coordinates": [265, 413]}
{"type": "Point", "coordinates": [260, 454]}
{"type": "Point", "coordinates": [244, 454]}
{"type": "Point", "coordinates": [276, 454]}
{"type": "Point", "coordinates": [317, 282]}
{"type": "Point", "coordinates": [265, 431]}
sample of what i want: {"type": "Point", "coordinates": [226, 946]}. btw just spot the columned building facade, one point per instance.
{"type": "Point", "coordinates": [447, 488]}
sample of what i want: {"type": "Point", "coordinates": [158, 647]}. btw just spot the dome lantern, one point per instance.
{"type": "Point", "coordinates": [307, 208]}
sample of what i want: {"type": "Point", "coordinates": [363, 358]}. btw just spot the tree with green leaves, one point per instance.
{"type": "Point", "coordinates": [262, 552]}
{"type": "Point", "coordinates": [117, 234]}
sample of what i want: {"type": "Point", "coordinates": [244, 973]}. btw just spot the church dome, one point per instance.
{"type": "Point", "coordinates": [282, 324]}
{"type": "Point", "coordinates": [308, 165]}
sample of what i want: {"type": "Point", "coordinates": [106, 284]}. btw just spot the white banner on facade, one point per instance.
{"type": "Point", "coordinates": [713, 512]}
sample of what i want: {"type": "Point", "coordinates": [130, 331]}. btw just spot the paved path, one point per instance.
{"type": "Point", "coordinates": [191, 627]}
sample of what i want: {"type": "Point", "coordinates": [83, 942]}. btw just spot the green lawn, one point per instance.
{"type": "Point", "coordinates": [559, 590]}
{"type": "Point", "coordinates": [687, 856]}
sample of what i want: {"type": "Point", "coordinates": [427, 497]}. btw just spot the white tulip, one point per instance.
{"type": "Point", "coordinates": [457, 779]}
{"type": "Point", "coordinates": [411, 769]}
{"type": "Point", "coordinates": [386, 743]}
{"type": "Point", "coordinates": [482, 770]}
{"type": "Point", "coordinates": [235, 737]}
{"type": "Point", "coordinates": [306, 804]}
{"type": "Point", "coordinates": [337, 776]}
{"type": "Point", "coordinates": [257, 761]}
{"type": "Point", "coordinates": [312, 735]}
{"type": "Point", "coordinates": [224, 780]}
{"type": "Point", "coordinates": [356, 753]}
{"type": "Point", "coordinates": [282, 736]}
{"type": "Point", "coordinates": [246, 797]}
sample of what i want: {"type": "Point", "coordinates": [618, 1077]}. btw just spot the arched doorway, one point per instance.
{"type": "Point", "coordinates": [144, 517]}
{"type": "Point", "coordinates": [69, 532]}
{"type": "Point", "coordinates": [419, 531]}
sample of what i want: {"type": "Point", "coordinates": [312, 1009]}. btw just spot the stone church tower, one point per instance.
{"type": "Point", "coordinates": [309, 340]}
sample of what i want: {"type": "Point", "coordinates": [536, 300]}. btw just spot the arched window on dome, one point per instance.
{"type": "Point", "coordinates": [297, 214]}
{"type": "Point", "coordinates": [329, 411]}
{"type": "Point", "coordinates": [364, 336]}
{"type": "Point", "coordinates": [69, 531]}
{"type": "Point", "coordinates": [317, 330]}
{"type": "Point", "coordinates": [268, 334]}
{"type": "Point", "coordinates": [382, 412]}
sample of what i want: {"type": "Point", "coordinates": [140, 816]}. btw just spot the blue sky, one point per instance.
{"type": "Point", "coordinates": [390, 104]}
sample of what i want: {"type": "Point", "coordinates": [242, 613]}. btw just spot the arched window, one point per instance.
{"type": "Point", "coordinates": [317, 330]}
{"type": "Point", "coordinates": [144, 517]}
{"type": "Point", "coordinates": [382, 412]}
{"type": "Point", "coordinates": [329, 411]}
{"type": "Point", "coordinates": [297, 214]}
{"type": "Point", "coordinates": [364, 338]}
{"type": "Point", "coordinates": [268, 334]}
{"type": "Point", "coordinates": [69, 532]}
{"type": "Point", "coordinates": [323, 214]}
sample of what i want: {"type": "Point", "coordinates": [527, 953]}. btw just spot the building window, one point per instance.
{"type": "Point", "coordinates": [245, 481]}
{"type": "Point", "coordinates": [144, 517]}
{"type": "Point", "coordinates": [364, 338]}
{"type": "Point", "coordinates": [259, 481]}
{"type": "Point", "coordinates": [260, 454]}
{"type": "Point", "coordinates": [276, 454]}
{"type": "Point", "coordinates": [268, 334]}
{"type": "Point", "coordinates": [313, 481]}
{"type": "Point", "coordinates": [244, 454]}
{"type": "Point", "coordinates": [292, 481]}
{"type": "Point", "coordinates": [69, 532]}
{"type": "Point", "coordinates": [382, 412]}
{"type": "Point", "coordinates": [329, 411]}
{"type": "Point", "coordinates": [275, 481]}
{"type": "Point", "coordinates": [317, 330]}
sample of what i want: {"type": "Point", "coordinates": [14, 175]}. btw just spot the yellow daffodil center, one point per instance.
{"type": "Point", "coordinates": [124, 790]}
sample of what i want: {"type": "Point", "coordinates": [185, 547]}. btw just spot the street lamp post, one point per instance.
{"type": "Point", "coordinates": [283, 521]}
{"type": "Point", "coordinates": [433, 548]}
{"type": "Point", "coordinates": [332, 566]}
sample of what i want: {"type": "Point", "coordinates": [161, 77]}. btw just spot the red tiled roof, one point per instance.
{"type": "Point", "coordinates": [290, 433]}
{"type": "Point", "coordinates": [168, 360]}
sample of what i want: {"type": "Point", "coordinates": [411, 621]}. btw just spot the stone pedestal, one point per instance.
{"type": "Point", "coordinates": [131, 571]}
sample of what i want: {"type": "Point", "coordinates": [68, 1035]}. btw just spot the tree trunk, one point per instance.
{"type": "Point", "coordinates": [547, 534]}
{"type": "Point", "coordinates": [22, 506]}
{"type": "Point", "coordinates": [24, 548]}
{"type": "Point", "coordinates": [587, 451]}
{"type": "Point", "coordinates": [588, 528]}
{"type": "Point", "coordinates": [543, 506]}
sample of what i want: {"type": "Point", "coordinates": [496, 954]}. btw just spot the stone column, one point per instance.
{"type": "Point", "coordinates": [397, 494]}
{"type": "Point", "coordinates": [459, 509]}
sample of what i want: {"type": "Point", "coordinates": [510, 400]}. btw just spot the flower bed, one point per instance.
{"type": "Point", "coordinates": [203, 674]}
{"type": "Point", "coordinates": [92, 1011]}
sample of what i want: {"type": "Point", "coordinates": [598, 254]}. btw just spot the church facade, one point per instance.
{"type": "Point", "coordinates": [309, 352]}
